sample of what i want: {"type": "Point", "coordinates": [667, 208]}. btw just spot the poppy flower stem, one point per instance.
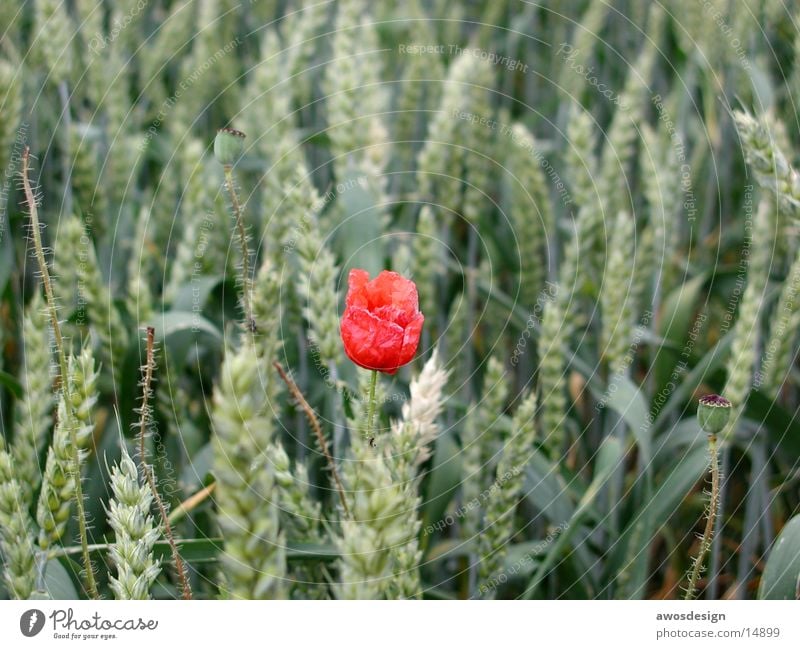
{"type": "Point", "coordinates": [312, 419]}
{"type": "Point", "coordinates": [36, 235]}
{"type": "Point", "coordinates": [711, 514]}
{"type": "Point", "coordinates": [145, 421]}
{"type": "Point", "coordinates": [371, 403]}
{"type": "Point", "coordinates": [230, 184]}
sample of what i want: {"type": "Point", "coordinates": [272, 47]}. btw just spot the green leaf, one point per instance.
{"type": "Point", "coordinates": [311, 551]}
{"type": "Point", "coordinates": [522, 558]}
{"type": "Point", "coordinates": [96, 466]}
{"type": "Point", "coordinates": [196, 471]}
{"type": "Point", "coordinates": [686, 433]}
{"type": "Point", "coordinates": [177, 333]}
{"type": "Point", "coordinates": [179, 329]}
{"type": "Point", "coordinates": [359, 237]}
{"type": "Point", "coordinates": [58, 582]}
{"type": "Point", "coordinates": [14, 386]}
{"type": "Point", "coordinates": [713, 359]}
{"type": "Point", "coordinates": [671, 489]}
{"type": "Point", "coordinates": [609, 457]}
{"type": "Point", "coordinates": [195, 294]}
{"type": "Point", "coordinates": [677, 315]}
{"type": "Point", "coordinates": [207, 550]}
{"type": "Point", "coordinates": [630, 555]}
{"type": "Point", "coordinates": [447, 550]}
{"type": "Point", "coordinates": [546, 489]}
{"type": "Point", "coordinates": [443, 481]}
{"type": "Point", "coordinates": [625, 398]}
{"type": "Point", "coordinates": [6, 256]}
{"type": "Point", "coordinates": [782, 426]}
{"type": "Point", "coordinates": [781, 578]}
{"type": "Point", "coordinates": [632, 575]}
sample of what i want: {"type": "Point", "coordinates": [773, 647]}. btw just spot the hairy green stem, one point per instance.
{"type": "Point", "coordinates": [713, 505]}
{"type": "Point", "coordinates": [144, 417]}
{"type": "Point", "coordinates": [230, 183]}
{"type": "Point", "coordinates": [373, 382]}
{"type": "Point", "coordinates": [314, 422]}
{"type": "Point", "coordinates": [91, 586]}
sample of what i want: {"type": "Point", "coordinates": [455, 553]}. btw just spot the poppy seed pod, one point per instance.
{"type": "Point", "coordinates": [228, 145]}
{"type": "Point", "coordinates": [713, 412]}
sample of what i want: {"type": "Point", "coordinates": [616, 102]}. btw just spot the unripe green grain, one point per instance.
{"type": "Point", "coordinates": [33, 413]}
{"type": "Point", "coordinates": [168, 49]}
{"type": "Point", "coordinates": [531, 215]}
{"type": "Point", "coordinates": [427, 249]}
{"type": "Point", "coordinates": [16, 536]}
{"type": "Point", "coordinates": [89, 195]}
{"type": "Point", "coordinates": [480, 144]}
{"type": "Point", "coordinates": [779, 352]}
{"type": "Point", "coordinates": [441, 160]}
{"type": "Point", "coordinates": [660, 171]}
{"type": "Point", "coordinates": [580, 158]}
{"type": "Point", "coordinates": [618, 296]}
{"type": "Point", "coordinates": [301, 515]}
{"type": "Point", "coordinates": [301, 518]}
{"type": "Point", "coordinates": [140, 303]}
{"type": "Point", "coordinates": [267, 106]}
{"type": "Point", "coordinates": [12, 15]}
{"type": "Point", "coordinates": [377, 524]}
{"type": "Point", "coordinates": [316, 287]}
{"type": "Point", "coordinates": [52, 39]}
{"type": "Point", "coordinates": [408, 448]}
{"type": "Point", "coordinates": [585, 38]}
{"type": "Point", "coordinates": [302, 28]}
{"type": "Point", "coordinates": [499, 522]}
{"type": "Point", "coordinates": [746, 331]}
{"type": "Point", "coordinates": [481, 441]}
{"type": "Point", "coordinates": [359, 140]}
{"type": "Point", "coordinates": [135, 533]}
{"type": "Point", "coordinates": [552, 376]}
{"type": "Point", "coordinates": [120, 168]}
{"type": "Point", "coordinates": [268, 312]}
{"type": "Point", "coordinates": [613, 182]}
{"type": "Point", "coordinates": [420, 89]}
{"type": "Point", "coordinates": [202, 245]}
{"type": "Point", "coordinates": [59, 479]}
{"type": "Point", "coordinates": [770, 165]}
{"type": "Point", "coordinates": [93, 291]}
{"type": "Point", "coordinates": [253, 562]}
{"type": "Point", "coordinates": [457, 342]}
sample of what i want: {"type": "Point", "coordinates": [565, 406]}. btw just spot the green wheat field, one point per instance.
{"type": "Point", "coordinates": [593, 204]}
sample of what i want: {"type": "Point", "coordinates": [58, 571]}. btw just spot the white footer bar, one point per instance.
{"type": "Point", "coordinates": [384, 625]}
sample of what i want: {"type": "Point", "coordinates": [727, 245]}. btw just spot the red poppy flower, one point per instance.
{"type": "Point", "coordinates": [381, 322]}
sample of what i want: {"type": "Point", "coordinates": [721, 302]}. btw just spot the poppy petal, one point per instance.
{"type": "Point", "coordinates": [390, 288]}
{"type": "Point", "coordinates": [393, 314]}
{"type": "Point", "coordinates": [357, 281]}
{"type": "Point", "coordinates": [411, 336]}
{"type": "Point", "coordinates": [370, 342]}
{"type": "Point", "coordinates": [381, 323]}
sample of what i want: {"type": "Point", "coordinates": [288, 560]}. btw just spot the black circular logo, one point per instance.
{"type": "Point", "coordinates": [31, 622]}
